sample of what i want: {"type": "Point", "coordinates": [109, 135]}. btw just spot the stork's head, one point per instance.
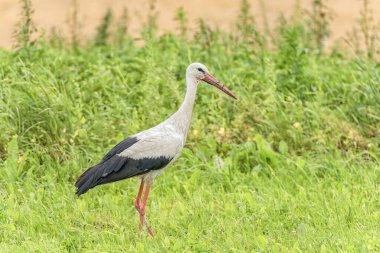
{"type": "Point", "coordinates": [201, 73]}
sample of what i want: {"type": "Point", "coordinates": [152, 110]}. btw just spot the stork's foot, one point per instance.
{"type": "Point", "coordinates": [140, 207]}
{"type": "Point", "coordinates": [142, 219]}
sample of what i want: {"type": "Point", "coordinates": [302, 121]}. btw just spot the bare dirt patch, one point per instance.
{"type": "Point", "coordinates": [55, 13]}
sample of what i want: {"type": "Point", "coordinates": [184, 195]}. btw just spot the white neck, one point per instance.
{"type": "Point", "coordinates": [182, 117]}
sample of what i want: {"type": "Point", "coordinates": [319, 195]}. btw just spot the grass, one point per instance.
{"type": "Point", "coordinates": [292, 166]}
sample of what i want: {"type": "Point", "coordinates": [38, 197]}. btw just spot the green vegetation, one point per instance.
{"type": "Point", "coordinates": [292, 166]}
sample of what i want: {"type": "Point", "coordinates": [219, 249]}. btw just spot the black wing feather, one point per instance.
{"type": "Point", "coordinates": [117, 168]}
{"type": "Point", "coordinates": [123, 145]}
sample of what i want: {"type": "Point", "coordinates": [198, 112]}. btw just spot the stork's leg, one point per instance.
{"type": "Point", "coordinates": [137, 202]}
{"type": "Point", "coordinates": [142, 210]}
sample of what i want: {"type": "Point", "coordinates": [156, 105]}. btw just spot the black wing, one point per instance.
{"type": "Point", "coordinates": [88, 177]}
{"type": "Point", "coordinates": [117, 168]}
{"type": "Point", "coordinates": [114, 167]}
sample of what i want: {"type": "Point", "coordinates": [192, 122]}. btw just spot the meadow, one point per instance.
{"type": "Point", "coordinates": [291, 166]}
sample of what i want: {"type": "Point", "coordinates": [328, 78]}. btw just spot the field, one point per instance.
{"type": "Point", "coordinates": [291, 166]}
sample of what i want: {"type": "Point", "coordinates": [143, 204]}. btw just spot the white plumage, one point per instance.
{"type": "Point", "coordinates": [168, 138]}
{"type": "Point", "coordinates": [148, 153]}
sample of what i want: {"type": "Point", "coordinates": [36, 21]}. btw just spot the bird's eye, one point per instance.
{"type": "Point", "coordinates": [201, 70]}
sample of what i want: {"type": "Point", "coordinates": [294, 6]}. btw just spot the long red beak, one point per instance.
{"type": "Point", "coordinates": [215, 82]}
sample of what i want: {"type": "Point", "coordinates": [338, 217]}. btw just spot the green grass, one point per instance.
{"type": "Point", "coordinates": [292, 166]}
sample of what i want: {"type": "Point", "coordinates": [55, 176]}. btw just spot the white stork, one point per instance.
{"type": "Point", "coordinates": [148, 153]}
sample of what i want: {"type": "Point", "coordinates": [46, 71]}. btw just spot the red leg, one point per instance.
{"type": "Point", "coordinates": [142, 213]}
{"type": "Point", "coordinates": [137, 203]}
